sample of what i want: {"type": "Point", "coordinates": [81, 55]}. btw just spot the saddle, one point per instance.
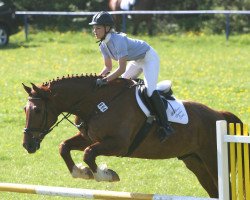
{"type": "Point", "coordinates": [164, 89]}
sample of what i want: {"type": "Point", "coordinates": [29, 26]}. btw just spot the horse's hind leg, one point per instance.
{"type": "Point", "coordinates": [77, 142]}
{"type": "Point", "coordinates": [196, 165]}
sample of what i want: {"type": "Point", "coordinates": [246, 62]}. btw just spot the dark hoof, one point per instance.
{"type": "Point", "coordinates": [105, 174]}
{"type": "Point", "coordinates": [80, 171]}
{"type": "Point", "coordinates": [115, 176]}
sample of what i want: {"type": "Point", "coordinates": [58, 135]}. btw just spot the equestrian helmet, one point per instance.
{"type": "Point", "coordinates": [102, 18]}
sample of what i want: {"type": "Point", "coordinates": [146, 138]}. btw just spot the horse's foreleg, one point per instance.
{"type": "Point", "coordinates": [196, 165]}
{"type": "Point", "coordinates": [108, 147]}
{"type": "Point", "coordinates": [77, 142]}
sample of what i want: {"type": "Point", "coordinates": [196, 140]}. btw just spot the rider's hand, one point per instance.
{"type": "Point", "coordinates": [101, 82]}
{"type": "Point", "coordinates": [105, 75]}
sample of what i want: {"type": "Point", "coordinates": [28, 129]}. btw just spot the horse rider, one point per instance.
{"type": "Point", "coordinates": [142, 58]}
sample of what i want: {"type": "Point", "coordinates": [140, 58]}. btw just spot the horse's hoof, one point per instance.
{"type": "Point", "coordinates": [114, 175]}
{"type": "Point", "coordinates": [105, 174]}
{"type": "Point", "coordinates": [80, 171]}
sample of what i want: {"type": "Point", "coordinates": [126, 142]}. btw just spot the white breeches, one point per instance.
{"type": "Point", "coordinates": [149, 65]}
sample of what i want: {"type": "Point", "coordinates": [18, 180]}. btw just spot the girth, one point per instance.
{"type": "Point", "coordinates": [144, 130]}
{"type": "Point", "coordinates": [141, 135]}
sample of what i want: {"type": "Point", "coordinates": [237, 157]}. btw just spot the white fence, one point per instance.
{"type": "Point", "coordinates": [152, 12]}
{"type": "Point", "coordinates": [241, 189]}
{"type": "Point", "coordinates": [227, 13]}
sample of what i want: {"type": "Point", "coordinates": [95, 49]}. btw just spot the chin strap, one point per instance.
{"type": "Point", "coordinates": [106, 32]}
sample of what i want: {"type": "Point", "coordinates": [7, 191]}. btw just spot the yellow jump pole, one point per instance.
{"type": "Point", "coordinates": [71, 192]}
{"type": "Point", "coordinates": [246, 164]}
{"type": "Point", "coordinates": [9, 187]}
{"type": "Point", "coordinates": [232, 163]}
{"type": "Point", "coordinates": [88, 193]}
{"type": "Point", "coordinates": [239, 163]}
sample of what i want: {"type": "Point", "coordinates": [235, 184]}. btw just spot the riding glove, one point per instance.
{"type": "Point", "coordinates": [101, 82]}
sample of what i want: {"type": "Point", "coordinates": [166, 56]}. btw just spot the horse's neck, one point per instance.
{"type": "Point", "coordinates": [68, 96]}
{"type": "Point", "coordinates": [85, 96]}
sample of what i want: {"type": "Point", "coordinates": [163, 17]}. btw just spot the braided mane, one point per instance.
{"type": "Point", "coordinates": [67, 78]}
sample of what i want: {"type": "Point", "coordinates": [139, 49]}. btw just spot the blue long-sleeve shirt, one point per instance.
{"type": "Point", "coordinates": [118, 45]}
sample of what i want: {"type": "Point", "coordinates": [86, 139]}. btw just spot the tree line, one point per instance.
{"type": "Point", "coordinates": [212, 23]}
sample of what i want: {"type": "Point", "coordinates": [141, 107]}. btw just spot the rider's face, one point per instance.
{"type": "Point", "coordinates": [99, 31]}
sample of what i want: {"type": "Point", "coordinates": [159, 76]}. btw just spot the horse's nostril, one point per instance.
{"type": "Point", "coordinates": [25, 145]}
{"type": "Point", "coordinates": [30, 148]}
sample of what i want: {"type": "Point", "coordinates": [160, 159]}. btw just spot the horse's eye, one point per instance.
{"type": "Point", "coordinates": [24, 108]}
{"type": "Point", "coordinates": [36, 109]}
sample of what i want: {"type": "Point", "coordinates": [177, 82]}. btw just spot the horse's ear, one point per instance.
{"type": "Point", "coordinates": [35, 88]}
{"type": "Point", "coordinates": [39, 91]}
{"type": "Point", "coordinates": [27, 89]}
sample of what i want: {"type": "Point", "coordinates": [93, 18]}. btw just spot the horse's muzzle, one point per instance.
{"type": "Point", "coordinates": [31, 147]}
{"type": "Point", "coordinates": [31, 143]}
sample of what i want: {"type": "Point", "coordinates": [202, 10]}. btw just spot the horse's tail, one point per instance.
{"type": "Point", "coordinates": [231, 118]}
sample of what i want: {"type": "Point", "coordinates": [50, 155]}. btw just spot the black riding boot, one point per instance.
{"type": "Point", "coordinates": [165, 128]}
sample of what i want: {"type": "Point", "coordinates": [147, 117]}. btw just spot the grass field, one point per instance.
{"type": "Point", "coordinates": [206, 69]}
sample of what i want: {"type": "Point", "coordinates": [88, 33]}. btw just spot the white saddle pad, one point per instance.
{"type": "Point", "coordinates": [176, 111]}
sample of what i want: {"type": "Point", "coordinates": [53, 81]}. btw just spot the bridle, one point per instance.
{"type": "Point", "coordinates": [43, 130]}
{"type": "Point", "coordinates": [44, 122]}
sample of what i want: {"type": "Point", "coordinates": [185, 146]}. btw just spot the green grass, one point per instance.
{"type": "Point", "coordinates": [207, 69]}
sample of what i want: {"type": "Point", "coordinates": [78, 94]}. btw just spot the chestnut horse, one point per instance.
{"type": "Point", "coordinates": [114, 5]}
{"type": "Point", "coordinates": [111, 120]}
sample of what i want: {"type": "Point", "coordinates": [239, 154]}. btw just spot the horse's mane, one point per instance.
{"type": "Point", "coordinates": [43, 90]}
{"type": "Point", "coordinates": [51, 83]}
{"type": "Point", "coordinates": [72, 77]}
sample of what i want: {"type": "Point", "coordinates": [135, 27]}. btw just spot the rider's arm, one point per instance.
{"type": "Point", "coordinates": [119, 71]}
{"type": "Point", "coordinates": [107, 66]}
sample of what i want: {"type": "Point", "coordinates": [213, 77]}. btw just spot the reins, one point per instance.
{"type": "Point", "coordinates": [102, 107]}
{"type": "Point", "coordinates": [67, 117]}
{"type": "Point", "coordinates": [44, 131]}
